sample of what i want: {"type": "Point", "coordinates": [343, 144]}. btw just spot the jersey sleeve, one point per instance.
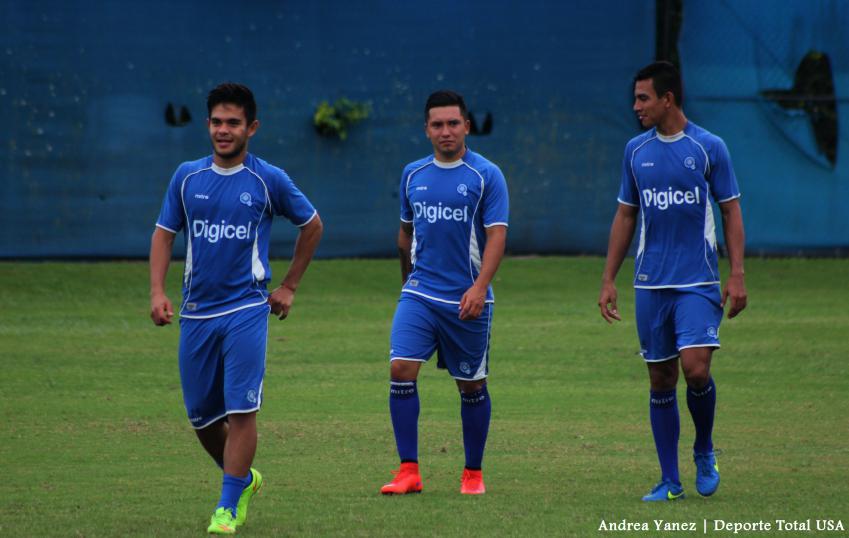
{"type": "Point", "coordinates": [496, 199]}
{"type": "Point", "coordinates": [406, 209]}
{"type": "Point", "coordinates": [628, 193]}
{"type": "Point", "coordinates": [288, 201]}
{"type": "Point", "coordinates": [722, 180]}
{"type": "Point", "coordinates": [172, 216]}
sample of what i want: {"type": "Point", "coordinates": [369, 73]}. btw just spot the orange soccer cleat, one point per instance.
{"type": "Point", "coordinates": [407, 480]}
{"type": "Point", "coordinates": [472, 483]}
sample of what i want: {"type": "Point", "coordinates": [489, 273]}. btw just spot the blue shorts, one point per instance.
{"type": "Point", "coordinates": [422, 326]}
{"type": "Point", "coordinates": [672, 319]}
{"type": "Point", "coordinates": [222, 363]}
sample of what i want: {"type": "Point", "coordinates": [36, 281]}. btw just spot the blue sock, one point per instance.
{"type": "Point", "coordinates": [404, 409]}
{"type": "Point", "coordinates": [665, 426]}
{"type": "Point", "coordinates": [702, 405]}
{"type": "Point", "coordinates": [475, 410]}
{"type": "Point", "coordinates": [231, 489]}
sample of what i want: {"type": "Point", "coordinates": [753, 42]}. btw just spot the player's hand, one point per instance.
{"type": "Point", "coordinates": [735, 289]}
{"type": "Point", "coordinates": [161, 310]}
{"type": "Point", "coordinates": [607, 302]}
{"type": "Point", "coordinates": [472, 303]}
{"type": "Point", "coordinates": [281, 300]}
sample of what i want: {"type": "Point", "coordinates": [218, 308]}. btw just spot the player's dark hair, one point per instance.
{"type": "Point", "coordinates": [234, 94]}
{"type": "Point", "coordinates": [445, 98]}
{"type": "Point", "coordinates": [665, 78]}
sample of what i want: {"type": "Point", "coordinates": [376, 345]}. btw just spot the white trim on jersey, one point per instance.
{"type": "Point", "coordinates": [228, 171]}
{"type": "Point", "coordinates": [707, 159]}
{"type": "Point", "coordinates": [729, 199]}
{"type": "Point", "coordinates": [642, 245]}
{"type": "Point", "coordinates": [187, 269]}
{"type": "Point", "coordinates": [219, 314]}
{"type": "Point", "coordinates": [623, 202]}
{"type": "Point", "coordinates": [710, 235]}
{"type": "Point", "coordinates": [496, 224]}
{"type": "Point", "coordinates": [420, 294]}
{"type": "Point", "coordinates": [407, 196]}
{"type": "Point", "coordinates": [474, 249]}
{"type": "Point", "coordinates": [693, 285]}
{"type": "Point", "coordinates": [474, 252]}
{"type": "Point", "coordinates": [668, 139]}
{"type": "Point", "coordinates": [257, 269]}
{"type": "Point", "coordinates": [166, 228]}
{"type": "Point", "coordinates": [188, 272]}
{"type": "Point", "coordinates": [452, 164]}
{"type": "Point", "coordinates": [406, 221]}
{"type": "Point", "coordinates": [314, 214]}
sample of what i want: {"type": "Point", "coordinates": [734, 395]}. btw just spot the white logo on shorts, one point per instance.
{"type": "Point", "coordinates": [711, 331]}
{"type": "Point", "coordinates": [252, 396]}
{"type": "Point", "coordinates": [465, 368]}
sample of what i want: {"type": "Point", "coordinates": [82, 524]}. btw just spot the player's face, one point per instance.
{"type": "Point", "coordinates": [447, 129]}
{"type": "Point", "coordinates": [229, 132]}
{"type": "Point", "coordinates": [650, 109]}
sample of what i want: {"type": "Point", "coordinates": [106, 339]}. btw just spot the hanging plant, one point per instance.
{"type": "Point", "coordinates": [335, 119]}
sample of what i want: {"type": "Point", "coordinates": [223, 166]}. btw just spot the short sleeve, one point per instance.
{"type": "Point", "coordinates": [406, 209]}
{"type": "Point", "coordinates": [722, 180]}
{"type": "Point", "coordinates": [628, 193]}
{"type": "Point", "coordinates": [172, 216]}
{"type": "Point", "coordinates": [287, 200]}
{"type": "Point", "coordinates": [496, 200]}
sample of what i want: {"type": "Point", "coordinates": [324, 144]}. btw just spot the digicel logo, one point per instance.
{"type": "Point", "coordinates": [664, 199]}
{"type": "Point", "coordinates": [222, 230]}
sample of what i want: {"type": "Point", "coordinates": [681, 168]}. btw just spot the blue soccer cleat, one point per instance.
{"type": "Point", "coordinates": [707, 473]}
{"type": "Point", "coordinates": [665, 490]}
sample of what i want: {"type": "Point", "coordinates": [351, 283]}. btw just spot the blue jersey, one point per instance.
{"type": "Point", "coordinates": [226, 214]}
{"type": "Point", "coordinates": [450, 206]}
{"type": "Point", "coordinates": [672, 180]}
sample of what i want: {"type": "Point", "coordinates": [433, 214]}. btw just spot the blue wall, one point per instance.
{"type": "Point", "coordinates": [86, 153]}
{"type": "Point", "coordinates": [794, 199]}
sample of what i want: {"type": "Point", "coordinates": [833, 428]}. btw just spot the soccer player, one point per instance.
{"type": "Point", "coordinates": [224, 204]}
{"type": "Point", "coordinates": [670, 174]}
{"type": "Point", "coordinates": [454, 209]}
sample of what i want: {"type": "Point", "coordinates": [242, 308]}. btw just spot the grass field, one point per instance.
{"type": "Point", "coordinates": [94, 439]}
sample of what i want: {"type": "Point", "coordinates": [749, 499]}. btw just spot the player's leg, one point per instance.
{"type": "Point", "coordinates": [243, 355]}
{"type": "Point", "coordinates": [464, 351]}
{"type": "Point", "coordinates": [213, 438]}
{"type": "Point", "coordinates": [657, 343]}
{"type": "Point", "coordinates": [412, 343]}
{"type": "Point", "coordinates": [698, 316]}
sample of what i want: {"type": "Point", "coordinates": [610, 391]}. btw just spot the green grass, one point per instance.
{"type": "Point", "coordinates": [94, 439]}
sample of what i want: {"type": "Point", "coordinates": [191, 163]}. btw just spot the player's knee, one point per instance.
{"type": "Point", "coordinates": [470, 387]}
{"type": "Point", "coordinates": [698, 376]}
{"type": "Point", "coordinates": [401, 370]}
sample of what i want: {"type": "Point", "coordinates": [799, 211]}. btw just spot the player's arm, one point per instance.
{"type": "Point", "coordinates": [472, 302]}
{"type": "Point", "coordinates": [161, 243]}
{"type": "Point", "coordinates": [306, 244]}
{"type": "Point", "coordinates": [405, 246]}
{"type": "Point", "coordinates": [621, 232]}
{"type": "Point", "coordinates": [735, 240]}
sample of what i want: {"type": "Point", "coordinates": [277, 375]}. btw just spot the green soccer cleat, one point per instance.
{"type": "Point", "coordinates": [245, 498]}
{"type": "Point", "coordinates": [222, 522]}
